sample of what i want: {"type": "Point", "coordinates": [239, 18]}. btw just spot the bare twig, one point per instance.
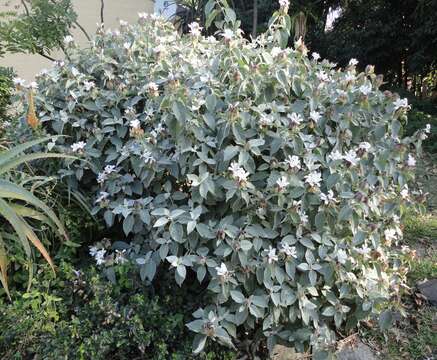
{"type": "Point", "coordinates": [255, 18]}
{"type": "Point", "coordinates": [23, 2]}
{"type": "Point", "coordinates": [46, 56]}
{"type": "Point", "coordinates": [82, 29]}
{"type": "Point", "coordinates": [102, 8]}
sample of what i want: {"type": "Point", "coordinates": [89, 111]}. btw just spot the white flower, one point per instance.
{"type": "Point", "coordinates": [102, 196]}
{"type": "Point", "coordinates": [314, 115]}
{"type": "Point", "coordinates": [266, 120]}
{"type": "Point", "coordinates": [120, 256]}
{"type": "Point", "coordinates": [109, 169]}
{"type": "Point", "coordinates": [195, 29]}
{"type": "Point", "coordinates": [364, 250]}
{"type": "Point", "coordinates": [78, 146]}
{"type": "Point", "coordinates": [33, 85]}
{"type": "Point", "coordinates": [135, 124]}
{"type": "Point", "coordinates": [88, 85]}
{"type": "Point", "coordinates": [147, 157]}
{"type": "Point", "coordinates": [316, 56]}
{"type": "Point", "coordinates": [288, 250]}
{"type": "Point", "coordinates": [351, 157]}
{"type": "Point", "coordinates": [93, 251]}
{"type": "Point", "coordinates": [365, 146]}
{"type": "Point", "coordinates": [271, 255]}
{"type": "Point", "coordinates": [284, 4]}
{"type": "Point", "coordinates": [428, 128]}
{"type": "Point", "coordinates": [102, 177]}
{"type": "Point", "coordinates": [366, 89]}
{"type": "Point", "coordinates": [303, 217]}
{"type": "Point", "coordinates": [127, 45]}
{"type": "Point", "coordinates": [282, 182]}
{"type": "Point", "coordinates": [401, 104]}
{"type": "Point", "coordinates": [390, 234]}
{"type": "Point", "coordinates": [295, 118]}
{"type": "Point", "coordinates": [142, 15]}
{"type": "Point", "coordinates": [123, 23]}
{"type": "Point", "coordinates": [353, 62]}
{"type": "Point", "coordinates": [222, 270]}
{"type": "Point", "coordinates": [293, 162]}
{"type": "Point", "coordinates": [314, 179]}
{"type": "Point", "coordinates": [341, 256]}
{"type": "Point", "coordinates": [68, 40]}
{"type": "Point", "coordinates": [228, 34]}
{"type": "Point", "coordinates": [322, 76]}
{"type": "Point", "coordinates": [19, 81]}
{"type": "Point", "coordinates": [328, 198]}
{"type": "Point", "coordinates": [238, 172]}
{"type": "Point", "coordinates": [336, 155]}
{"type": "Point", "coordinates": [405, 193]}
{"type": "Point", "coordinates": [411, 161]}
{"type": "Point", "coordinates": [100, 256]}
{"type": "Point", "coordinates": [152, 87]}
{"type": "Point", "coordinates": [276, 51]}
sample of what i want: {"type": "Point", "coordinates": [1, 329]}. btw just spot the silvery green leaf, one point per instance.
{"type": "Point", "coordinates": [191, 225]}
{"type": "Point", "coordinates": [161, 222]}
{"type": "Point", "coordinates": [201, 272]}
{"type": "Point", "coordinates": [245, 245]}
{"type": "Point", "coordinates": [385, 319]}
{"type": "Point", "coordinates": [177, 232]}
{"type": "Point", "coordinates": [237, 296]}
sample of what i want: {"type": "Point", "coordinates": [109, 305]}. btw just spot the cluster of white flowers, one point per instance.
{"type": "Point", "coordinates": [315, 56]}
{"type": "Point", "coordinates": [353, 62]}
{"type": "Point", "coordinates": [314, 179]}
{"type": "Point", "coordinates": [271, 255]}
{"type": "Point", "coordinates": [135, 124]}
{"type": "Point", "coordinates": [293, 162]}
{"type": "Point", "coordinates": [143, 15]}
{"type": "Point", "coordinates": [284, 4]}
{"type": "Point", "coordinates": [295, 119]}
{"type": "Point", "coordinates": [222, 270]}
{"type": "Point", "coordinates": [366, 89]}
{"type": "Point", "coordinates": [228, 34]}
{"type": "Point", "coordinates": [405, 193]}
{"type": "Point", "coordinates": [401, 104]}
{"type": "Point", "coordinates": [282, 183]}
{"type": "Point", "coordinates": [426, 131]}
{"type": "Point", "coordinates": [103, 176]}
{"type": "Point", "coordinates": [238, 172]}
{"type": "Point", "coordinates": [19, 81]}
{"type": "Point", "coordinates": [68, 40]}
{"type": "Point", "coordinates": [79, 146]}
{"type": "Point", "coordinates": [315, 116]}
{"type": "Point", "coordinates": [88, 85]}
{"type": "Point", "coordinates": [195, 29]}
{"type": "Point", "coordinates": [98, 255]}
{"type": "Point", "coordinates": [351, 157]}
{"type": "Point", "coordinates": [148, 157]}
{"type": "Point", "coordinates": [411, 161]}
{"type": "Point", "coordinates": [276, 51]}
{"type": "Point", "coordinates": [365, 146]}
{"type": "Point", "coordinates": [328, 198]}
{"type": "Point", "coordinates": [289, 251]}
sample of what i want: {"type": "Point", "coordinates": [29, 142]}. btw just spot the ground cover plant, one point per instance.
{"type": "Point", "coordinates": [275, 178]}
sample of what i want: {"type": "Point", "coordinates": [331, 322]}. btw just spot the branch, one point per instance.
{"type": "Point", "coordinates": [82, 29]}
{"type": "Point", "coordinates": [25, 7]}
{"type": "Point", "coordinates": [46, 56]}
{"type": "Point", "coordinates": [102, 7]}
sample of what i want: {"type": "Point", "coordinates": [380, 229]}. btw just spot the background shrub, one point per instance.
{"type": "Point", "coordinates": [6, 86]}
{"type": "Point", "coordinates": [274, 177]}
{"type": "Point", "coordinates": [80, 315]}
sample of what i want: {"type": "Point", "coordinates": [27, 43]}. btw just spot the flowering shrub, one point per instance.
{"type": "Point", "coordinates": [276, 178]}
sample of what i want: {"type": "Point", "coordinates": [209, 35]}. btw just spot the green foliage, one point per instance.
{"type": "Point", "coordinates": [40, 28]}
{"type": "Point", "coordinates": [79, 315]}
{"type": "Point", "coordinates": [6, 86]}
{"type": "Point", "coordinates": [275, 179]}
{"type": "Point", "coordinates": [19, 208]}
